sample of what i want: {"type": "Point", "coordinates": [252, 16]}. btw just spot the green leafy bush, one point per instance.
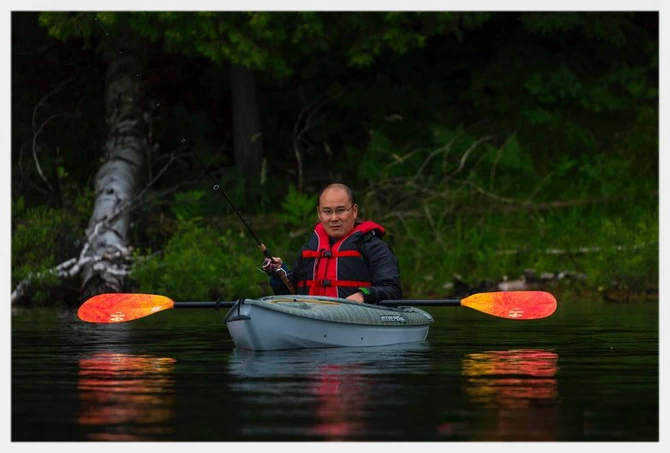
{"type": "Point", "coordinates": [629, 256]}
{"type": "Point", "coordinates": [188, 205]}
{"type": "Point", "coordinates": [199, 262]}
{"type": "Point", "coordinates": [298, 208]}
{"type": "Point", "coordinates": [43, 237]}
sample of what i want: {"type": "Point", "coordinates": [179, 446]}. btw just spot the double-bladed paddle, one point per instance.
{"type": "Point", "coordinates": [120, 307]}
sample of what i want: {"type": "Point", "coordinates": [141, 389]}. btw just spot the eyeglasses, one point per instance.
{"type": "Point", "coordinates": [339, 212]}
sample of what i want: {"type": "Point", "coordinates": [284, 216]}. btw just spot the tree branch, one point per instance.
{"type": "Point", "coordinates": [37, 130]}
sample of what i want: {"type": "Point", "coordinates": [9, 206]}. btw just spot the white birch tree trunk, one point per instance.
{"type": "Point", "coordinates": [119, 178]}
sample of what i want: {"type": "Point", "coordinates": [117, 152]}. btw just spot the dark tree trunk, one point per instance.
{"type": "Point", "coordinates": [247, 139]}
{"type": "Point", "coordinates": [119, 178]}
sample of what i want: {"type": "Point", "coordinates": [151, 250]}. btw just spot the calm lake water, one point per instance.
{"type": "Point", "coordinates": [590, 372]}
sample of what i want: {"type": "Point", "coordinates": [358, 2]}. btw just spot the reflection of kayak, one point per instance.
{"type": "Point", "coordinates": [299, 363]}
{"type": "Point", "coordinates": [295, 322]}
{"type": "Point", "coordinates": [338, 388]}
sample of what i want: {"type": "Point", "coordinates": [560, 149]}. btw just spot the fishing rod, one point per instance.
{"type": "Point", "coordinates": [281, 273]}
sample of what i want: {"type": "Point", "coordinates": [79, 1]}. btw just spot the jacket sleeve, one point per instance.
{"type": "Point", "coordinates": [385, 272]}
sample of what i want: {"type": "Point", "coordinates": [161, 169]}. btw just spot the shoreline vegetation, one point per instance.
{"type": "Point", "coordinates": [498, 149]}
{"type": "Point", "coordinates": [577, 251]}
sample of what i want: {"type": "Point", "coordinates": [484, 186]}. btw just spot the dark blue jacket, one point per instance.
{"type": "Point", "coordinates": [361, 261]}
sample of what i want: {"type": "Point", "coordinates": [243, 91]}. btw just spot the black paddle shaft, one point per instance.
{"type": "Point", "coordinates": [423, 303]}
{"type": "Point", "coordinates": [385, 303]}
{"type": "Point", "coordinates": [205, 304]}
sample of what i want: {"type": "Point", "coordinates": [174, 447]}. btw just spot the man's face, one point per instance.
{"type": "Point", "coordinates": [336, 212]}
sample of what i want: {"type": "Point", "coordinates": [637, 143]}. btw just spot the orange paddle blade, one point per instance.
{"type": "Point", "coordinates": [119, 307]}
{"type": "Point", "coordinates": [513, 304]}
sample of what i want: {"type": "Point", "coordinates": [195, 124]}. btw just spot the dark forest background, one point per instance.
{"type": "Point", "coordinates": [502, 147]}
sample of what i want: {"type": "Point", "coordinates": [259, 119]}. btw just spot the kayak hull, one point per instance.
{"type": "Point", "coordinates": [298, 322]}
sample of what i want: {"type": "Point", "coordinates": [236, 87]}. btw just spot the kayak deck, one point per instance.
{"type": "Point", "coordinates": [292, 322]}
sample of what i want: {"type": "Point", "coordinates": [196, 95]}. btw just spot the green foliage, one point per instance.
{"type": "Point", "coordinates": [187, 205]}
{"type": "Point", "coordinates": [609, 250]}
{"type": "Point", "coordinates": [42, 237]}
{"type": "Point", "coordinates": [612, 28]}
{"type": "Point", "coordinates": [376, 156]}
{"type": "Point", "coordinates": [63, 25]}
{"type": "Point", "coordinates": [441, 240]}
{"type": "Point", "coordinates": [449, 122]}
{"type": "Point", "coordinates": [298, 209]}
{"type": "Point", "coordinates": [199, 262]}
{"type": "Point", "coordinates": [629, 254]}
{"type": "Point", "coordinates": [383, 157]}
{"type": "Point", "coordinates": [563, 99]}
{"type": "Point", "coordinates": [274, 42]}
{"type": "Point", "coordinates": [454, 157]}
{"type": "Point", "coordinates": [34, 239]}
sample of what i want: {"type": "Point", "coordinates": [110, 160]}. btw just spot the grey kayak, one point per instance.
{"type": "Point", "coordinates": [297, 322]}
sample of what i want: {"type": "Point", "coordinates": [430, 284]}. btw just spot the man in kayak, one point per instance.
{"type": "Point", "coordinates": [345, 257]}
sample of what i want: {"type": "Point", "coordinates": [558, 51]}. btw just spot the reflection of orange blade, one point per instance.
{"type": "Point", "coordinates": [516, 378]}
{"type": "Point", "coordinates": [526, 362]}
{"type": "Point", "coordinates": [513, 304]}
{"type": "Point", "coordinates": [118, 307]}
{"type": "Point", "coordinates": [126, 397]}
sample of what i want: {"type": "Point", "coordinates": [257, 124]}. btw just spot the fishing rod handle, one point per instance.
{"type": "Point", "coordinates": [284, 278]}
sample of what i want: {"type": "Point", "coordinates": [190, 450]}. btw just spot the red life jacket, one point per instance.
{"type": "Point", "coordinates": [328, 273]}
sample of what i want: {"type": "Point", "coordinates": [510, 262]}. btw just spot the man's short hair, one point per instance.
{"type": "Point", "coordinates": [337, 185]}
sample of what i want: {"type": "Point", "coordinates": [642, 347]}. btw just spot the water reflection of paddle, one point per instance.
{"type": "Point", "coordinates": [341, 381]}
{"type": "Point", "coordinates": [521, 385]}
{"type": "Point", "coordinates": [127, 397]}
{"type": "Point", "coordinates": [515, 378]}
